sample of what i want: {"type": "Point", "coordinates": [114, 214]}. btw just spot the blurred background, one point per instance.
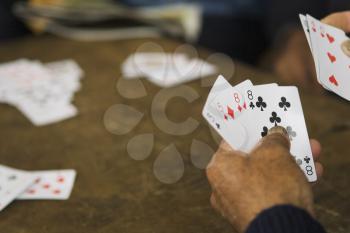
{"type": "Point", "coordinates": [119, 140]}
{"type": "Point", "coordinates": [222, 25]}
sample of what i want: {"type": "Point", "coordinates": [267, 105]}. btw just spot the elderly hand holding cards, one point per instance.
{"type": "Point", "coordinates": [295, 64]}
{"type": "Point", "coordinates": [243, 114]}
{"type": "Point", "coordinates": [259, 175]}
{"type": "Point", "coordinates": [330, 47]}
{"type": "Point", "coordinates": [266, 159]}
{"type": "Point", "coordinates": [243, 185]}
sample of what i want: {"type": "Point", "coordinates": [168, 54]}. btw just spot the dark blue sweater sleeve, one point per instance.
{"type": "Point", "coordinates": [284, 219]}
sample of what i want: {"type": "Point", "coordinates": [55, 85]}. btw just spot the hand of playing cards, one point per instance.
{"type": "Point", "coordinates": [243, 114]}
{"type": "Point", "coordinates": [25, 185]}
{"type": "Point", "coordinates": [42, 92]}
{"type": "Point", "coordinates": [166, 70]}
{"type": "Point", "coordinates": [330, 49]}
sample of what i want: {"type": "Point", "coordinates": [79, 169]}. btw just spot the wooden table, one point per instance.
{"type": "Point", "coordinates": [115, 193]}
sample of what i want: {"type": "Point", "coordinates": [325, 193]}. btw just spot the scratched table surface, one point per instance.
{"type": "Point", "coordinates": [116, 193]}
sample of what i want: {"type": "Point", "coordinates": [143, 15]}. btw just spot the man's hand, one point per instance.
{"type": "Point", "coordinates": [340, 20]}
{"type": "Point", "coordinates": [245, 184]}
{"type": "Point", "coordinates": [294, 63]}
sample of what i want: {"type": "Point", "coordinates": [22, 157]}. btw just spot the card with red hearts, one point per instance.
{"type": "Point", "coordinates": [50, 185]}
{"type": "Point", "coordinates": [331, 52]}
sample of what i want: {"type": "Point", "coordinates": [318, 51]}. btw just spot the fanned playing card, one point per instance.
{"type": "Point", "coordinates": [219, 118]}
{"type": "Point", "coordinates": [331, 52]}
{"type": "Point", "coordinates": [266, 106]}
{"type": "Point", "coordinates": [272, 106]}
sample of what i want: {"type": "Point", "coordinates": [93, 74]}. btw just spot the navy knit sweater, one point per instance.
{"type": "Point", "coordinates": [284, 219]}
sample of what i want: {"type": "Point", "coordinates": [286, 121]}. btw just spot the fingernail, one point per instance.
{"type": "Point", "coordinates": [278, 129]}
{"type": "Point", "coordinates": [281, 131]}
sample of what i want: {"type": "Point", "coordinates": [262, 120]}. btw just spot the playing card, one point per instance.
{"type": "Point", "coordinates": [234, 134]}
{"type": "Point", "coordinates": [272, 106]}
{"type": "Point", "coordinates": [267, 106]}
{"type": "Point", "coordinates": [245, 88]}
{"type": "Point", "coordinates": [180, 70]}
{"type": "Point", "coordinates": [142, 63]}
{"type": "Point", "coordinates": [164, 69]}
{"type": "Point", "coordinates": [12, 183]}
{"type": "Point", "coordinates": [305, 25]}
{"type": "Point", "coordinates": [50, 185]}
{"type": "Point", "coordinates": [41, 92]}
{"type": "Point", "coordinates": [43, 114]}
{"type": "Point", "coordinates": [65, 73]}
{"type": "Point", "coordinates": [230, 103]}
{"type": "Point", "coordinates": [331, 47]}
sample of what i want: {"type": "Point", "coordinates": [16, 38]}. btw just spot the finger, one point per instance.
{"type": "Point", "coordinates": [319, 169]}
{"type": "Point", "coordinates": [225, 146]}
{"type": "Point", "coordinates": [315, 148]}
{"type": "Point", "coordinates": [340, 20]}
{"type": "Point", "coordinates": [221, 165]}
{"type": "Point", "coordinates": [276, 136]}
{"type": "Point", "coordinates": [224, 150]}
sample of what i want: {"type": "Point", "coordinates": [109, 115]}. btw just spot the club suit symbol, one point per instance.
{"type": "Point", "coordinates": [274, 118]}
{"type": "Point", "coordinates": [284, 104]}
{"type": "Point", "coordinates": [260, 103]}
{"type": "Point", "coordinates": [12, 177]}
{"type": "Point", "coordinates": [264, 132]}
{"type": "Point", "coordinates": [292, 134]}
{"type": "Point", "coordinates": [307, 159]}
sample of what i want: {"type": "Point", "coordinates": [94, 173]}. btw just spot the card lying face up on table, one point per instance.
{"type": "Point", "coordinates": [34, 185]}
{"type": "Point", "coordinates": [244, 113]}
{"type": "Point", "coordinates": [330, 48]}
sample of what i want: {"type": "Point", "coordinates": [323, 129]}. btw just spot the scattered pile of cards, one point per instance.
{"type": "Point", "coordinates": [166, 70]}
{"type": "Point", "coordinates": [42, 92]}
{"type": "Point", "coordinates": [36, 185]}
{"type": "Point", "coordinates": [330, 48]}
{"type": "Point", "coordinates": [243, 114]}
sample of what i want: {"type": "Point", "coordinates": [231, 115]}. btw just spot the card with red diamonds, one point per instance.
{"type": "Point", "coordinates": [50, 185]}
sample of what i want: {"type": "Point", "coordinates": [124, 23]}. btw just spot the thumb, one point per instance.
{"type": "Point", "coordinates": [277, 139]}
{"type": "Point", "coordinates": [340, 20]}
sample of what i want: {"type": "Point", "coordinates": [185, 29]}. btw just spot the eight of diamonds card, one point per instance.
{"type": "Point", "coordinates": [221, 116]}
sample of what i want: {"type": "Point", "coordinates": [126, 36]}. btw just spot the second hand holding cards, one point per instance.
{"type": "Point", "coordinates": [244, 113]}
{"type": "Point", "coordinates": [330, 48]}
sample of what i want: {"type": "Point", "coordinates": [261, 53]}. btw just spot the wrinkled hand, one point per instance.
{"type": "Point", "coordinates": [245, 184]}
{"type": "Point", "coordinates": [294, 64]}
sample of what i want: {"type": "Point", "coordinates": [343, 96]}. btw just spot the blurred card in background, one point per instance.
{"type": "Point", "coordinates": [42, 92]}
{"type": "Point", "coordinates": [165, 69]}
{"type": "Point", "coordinates": [34, 185]}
